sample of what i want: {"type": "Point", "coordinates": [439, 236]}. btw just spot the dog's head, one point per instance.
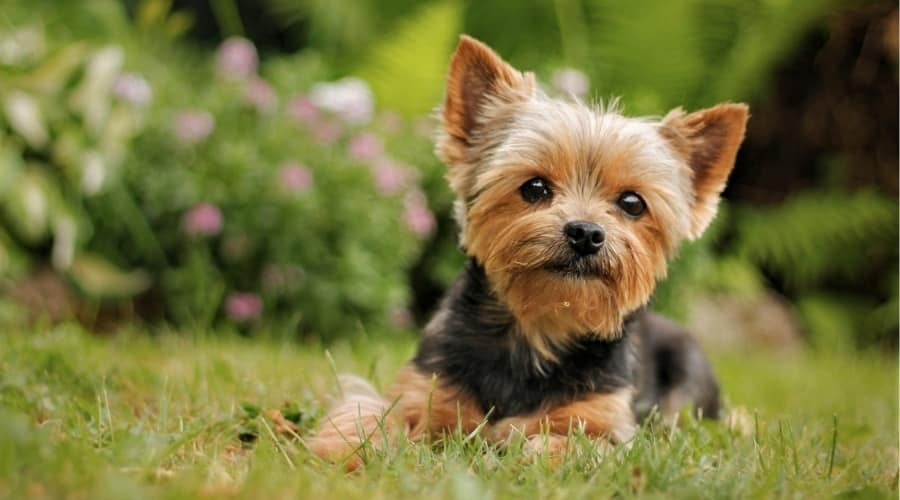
{"type": "Point", "coordinates": [573, 210]}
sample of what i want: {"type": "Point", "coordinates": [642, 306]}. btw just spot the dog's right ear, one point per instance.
{"type": "Point", "coordinates": [479, 85]}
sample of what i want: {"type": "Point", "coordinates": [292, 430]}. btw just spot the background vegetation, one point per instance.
{"type": "Point", "coordinates": [187, 161]}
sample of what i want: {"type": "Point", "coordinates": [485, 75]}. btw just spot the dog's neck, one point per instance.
{"type": "Point", "coordinates": [474, 287]}
{"type": "Point", "coordinates": [473, 342]}
{"type": "Point", "coordinates": [472, 309]}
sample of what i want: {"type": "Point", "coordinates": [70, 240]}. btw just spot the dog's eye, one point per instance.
{"type": "Point", "coordinates": [632, 204]}
{"type": "Point", "coordinates": [535, 190]}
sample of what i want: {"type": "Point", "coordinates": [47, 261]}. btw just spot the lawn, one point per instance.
{"type": "Point", "coordinates": [163, 415]}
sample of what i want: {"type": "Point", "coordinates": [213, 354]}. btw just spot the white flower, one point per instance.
{"type": "Point", "coordinates": [133, 89]}
{"type": "Point", "coordinates": [350, 98]}
{"type": "Point", "coordinates": [4, 260]}
{"type": "Point", "coordinates": [572, 82]}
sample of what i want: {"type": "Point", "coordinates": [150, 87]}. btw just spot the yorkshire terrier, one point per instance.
{"type": "Point", "coordinates": [568, 215]}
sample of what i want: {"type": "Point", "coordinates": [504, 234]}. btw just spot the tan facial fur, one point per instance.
{"type": "Point", "coordinates": [500, 130]}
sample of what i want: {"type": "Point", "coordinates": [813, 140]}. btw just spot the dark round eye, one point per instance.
{"type": "Point", "coordinates": [632, 204]}
{"type": "Point", "coordinates": [535, 190]}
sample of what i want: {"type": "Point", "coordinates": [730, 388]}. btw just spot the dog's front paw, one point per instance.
{"type": "Point", "coordinates": [552, 447]}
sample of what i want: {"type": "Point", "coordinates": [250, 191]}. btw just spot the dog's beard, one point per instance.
{"type": "Point", "coordinates": [556, 293]}
{"type": "Point", "coordinates": [574, 267]}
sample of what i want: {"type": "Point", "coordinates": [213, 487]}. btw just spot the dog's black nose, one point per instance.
{"type": "Point", "coordinates": [585, 238]}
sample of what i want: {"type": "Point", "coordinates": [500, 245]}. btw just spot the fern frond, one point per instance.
{"type": "Point", "coordinates": [645, 50]}
{"type": "Point", "coordinates": [406, 68]}
{"type": "Point", "coordinates": [816, 234]}
{"type": "Point", "coordinates": [693, 52]}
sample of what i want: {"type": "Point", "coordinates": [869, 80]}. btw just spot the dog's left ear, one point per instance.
{"type": "Point", "coordinates": [709, 140]}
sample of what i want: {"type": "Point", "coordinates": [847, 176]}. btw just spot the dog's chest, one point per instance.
{"type": "Point", "coordinates": [502, 374]}
{"type": "Point", "coordinates": [472, 344]}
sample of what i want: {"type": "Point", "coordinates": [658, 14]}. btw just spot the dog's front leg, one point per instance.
{"type": "Point", "coordinates": [430, 406]}
{"type": "Point", "coordinates": [606, 416]}
{"type": "Point", "coordinates": [417, 404]}
{"type": "Point", "coordinates": [360, 418]}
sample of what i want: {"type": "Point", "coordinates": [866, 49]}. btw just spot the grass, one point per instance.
{"type": "Point", "coordinates": [140, 416]}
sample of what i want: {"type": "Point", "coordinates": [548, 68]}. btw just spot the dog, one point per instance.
{"type": "Point", "coordinates": [568, 215]}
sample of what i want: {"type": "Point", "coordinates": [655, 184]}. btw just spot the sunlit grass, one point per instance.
{"type": "Point", "coordinates": [177, 416]}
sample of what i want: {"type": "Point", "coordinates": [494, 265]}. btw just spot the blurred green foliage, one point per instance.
{"type": "Point", "coordinates": [342, 248]}
{"type": "Point", "coordinates": [723, 49]}
{"type": "Point", "coordinates": [188, 181]}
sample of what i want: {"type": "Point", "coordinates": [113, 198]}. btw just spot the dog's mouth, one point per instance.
{"type": "Point", "coordinates": [578, 269]}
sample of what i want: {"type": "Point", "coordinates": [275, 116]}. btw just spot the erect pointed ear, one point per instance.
{"type": "Point", "coordinates": [478, 83]}
{"type": "Point", "coordinates": [709, 140]}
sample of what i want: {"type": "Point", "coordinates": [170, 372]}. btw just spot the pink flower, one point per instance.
{"type": "Point", "coordinates": [242, 307]}
{"type": "Point", "coordinates": [365, 147]}
{"type": "Point", "coordinates": [570, 81]}
{"type": "Point", "coordinates": [295, 177]}
{"type": "Point", "coordinates": [416, 215]}
{"type": "Point", "coordinates": [133, 89]}
{"type": "Point", "coordinates": [203, 219]}
{"type": "Point", "coordinates": [261, 95]}
{"type": "Point", "coordinates": [193, 126]}
{"type": "Point", "coordinates": [389, 177]}
{"type": "Point", "coordinates": [328, 133]}
{"type": "Point", "coordinates": [303, 110]}
{"type": "Point", "coordinates": [237, 58]}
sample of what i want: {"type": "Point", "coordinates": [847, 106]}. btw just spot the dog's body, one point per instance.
{"type": "Point", "coordinates": [569, 215]}
{"type": "Point", "coordinates": [482, 355]}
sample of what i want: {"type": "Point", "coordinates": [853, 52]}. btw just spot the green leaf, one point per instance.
{"type": "Point", "coordinates": [51, 76]}
{"type": "Point", "coordinates": [28, 206]}
{"type": "Point", "coordinates": [406, 68]}
{"type": "Point", "coordinates": [818, 234]}
{"type": "Point", "coordinates": [26, 118]}
{"type": "Point", "coordinates": [152, 13]}
{"type": "Point", "coordinates": [644, 50]}
{"type": "Point", "coordinates": [99, 278]}
{"type": "Point", "coordinates": [251, 410]}
{"type": "Point", "coordinates": [13, 260]}
{"type": "Point", "coordinates": [10, 168]}
{"type": "Point", "coordinates": [179, 23]}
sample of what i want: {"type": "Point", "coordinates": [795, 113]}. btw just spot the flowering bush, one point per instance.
{"type": "Point", "coordinates": [218, 193]}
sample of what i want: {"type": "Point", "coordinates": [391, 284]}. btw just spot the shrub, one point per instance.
{"type": "Point", "coordinates": [201, 186]}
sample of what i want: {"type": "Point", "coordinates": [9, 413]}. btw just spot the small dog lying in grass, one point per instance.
{"type": "Point", "coordinates": [568, 215]}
